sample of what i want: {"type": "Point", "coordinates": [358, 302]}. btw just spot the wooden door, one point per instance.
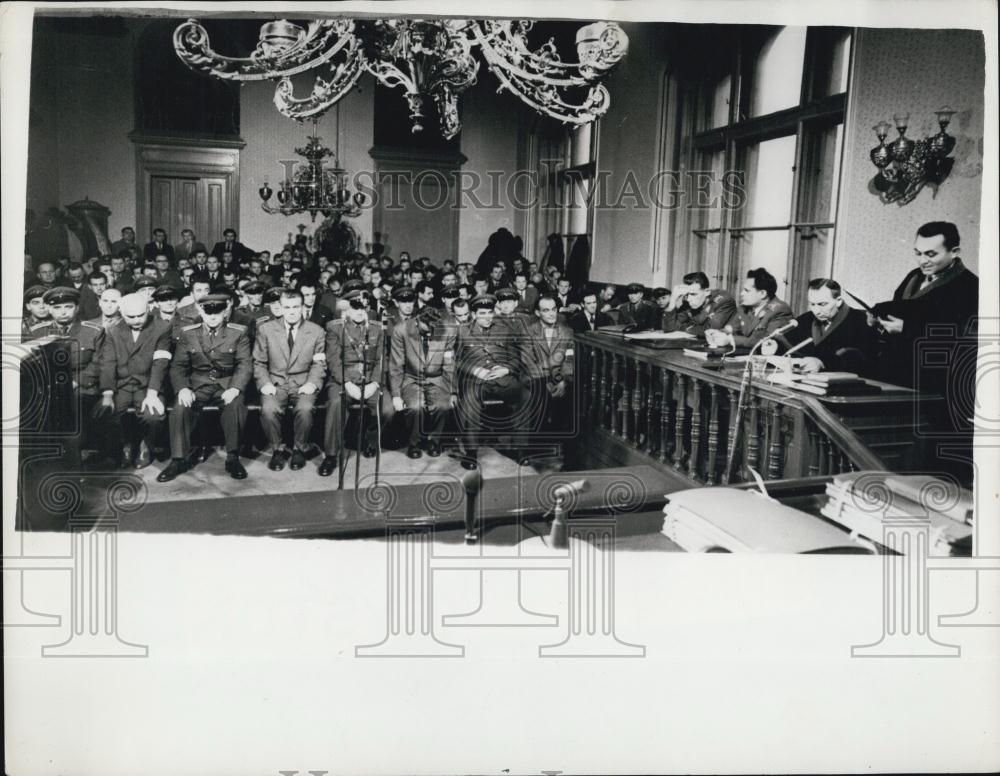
{"type": "Point", "coordinates": [178, 203]}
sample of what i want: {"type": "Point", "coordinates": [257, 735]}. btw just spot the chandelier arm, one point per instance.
{"type": "Point", "coordinates": [325, 93]}
{"type": "Point", "coordinates": [510, 50]}
{"type": "Point", "coordinates": [192, 46]}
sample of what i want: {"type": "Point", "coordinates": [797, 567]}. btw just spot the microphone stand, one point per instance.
{"type": "Point", "coordinates": [361, 420]}
{"type": "Point", "coordinates": [745, 383]}
{"type": "Point", "coordinates": [341, 460]}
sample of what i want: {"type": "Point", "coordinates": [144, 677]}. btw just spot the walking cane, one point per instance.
{"type": "Point", "coordinates": [341, 460]}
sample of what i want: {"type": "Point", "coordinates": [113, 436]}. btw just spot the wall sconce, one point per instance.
{"type": "Point", "coordinates": [904, 165]}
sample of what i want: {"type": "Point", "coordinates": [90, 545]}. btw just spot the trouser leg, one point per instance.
{"type": "Point", "coordinates": [234, 416]}
{"type": "Point", "coordinates": [182, 421]}
{"type": "Point", "coordinates": [432, 417]}
{"type": "Point", "coordinates": [149, 425]}
{"type": "Point", "coordinates": [411, 396]}
{"type": "Point", "coordinates": [303, 418]}
{"type": "Point", "coordinates": [271, 410]}
{"type": "Point", "coordinates": [333, 432]}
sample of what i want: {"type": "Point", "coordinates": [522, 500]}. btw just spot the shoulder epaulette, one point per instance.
{"type": "Point", "coordinates": [41, 325]}
{"type": "Point", "coordinates": [237, 326]}
{"type": "Point", "coordinates": [190, 327]}
{"type": "Point", "coordinates": [92, 325]}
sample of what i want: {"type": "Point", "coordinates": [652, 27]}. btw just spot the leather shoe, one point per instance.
{"type": "Point", "coordinates": [235, 468]}
{"type": "Point", "coordinates": [175, 468]}
{"type": "Point", "coordinates": [470, 463]}
{"type": "Point", "coordinates": [433, 449]}
{"type": "Point", "coordinates": [126, 460]}
{"type": "Point", "coordinates": [413, 452]}
{"type": "Point", "coordinates": [328, 466]}
{"type": "Point", "coordinates": [145, 457]}
{"type": "Point", "coordinates": [277, 462]}
{"type": "Point", "coordinates": [298, 460]}
{"type": "Point", "coordinates": [370, 451]}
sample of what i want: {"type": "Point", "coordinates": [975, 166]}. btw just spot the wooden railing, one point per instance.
{"type": "Point", "coordinates": [639, 403]}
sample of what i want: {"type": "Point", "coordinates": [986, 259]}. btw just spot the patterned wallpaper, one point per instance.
{"type": "Point", "coordinates": [916, 71]}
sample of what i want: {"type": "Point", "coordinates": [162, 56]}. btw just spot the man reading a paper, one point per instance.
{"type": "Point", "coordinates": [830, 337]}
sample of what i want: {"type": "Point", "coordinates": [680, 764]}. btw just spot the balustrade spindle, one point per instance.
{"type": "Point", "coordinates": [825, 464]}
{"type": "Point", "coordinates": [627, 425]}
{"type": "Point", "coordinates": [666, 387]}
{"type": "Point", "coordinates": [713, 436]}
{"type": "Point", "coordinates": [679, 413]}
{"type": "Point", "coordinates": [775, 451]}
{"type": "Point", "coordinates": [595, 387]}
{"type": "Point", "coordinates": [640, 431]}
{"type": "Point", "coordinates": [615, 419]}
{"type": "Point", "coordinates": [696, 389]}
{"type": "Point", "coordinates": [733, 395]}
{"type": "Point", "coordinates": [753, 435]}
{"type": "Point", "coordinates": [813, 451]}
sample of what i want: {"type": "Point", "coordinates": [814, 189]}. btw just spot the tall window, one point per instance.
{"type": "Point", "coordinates": [774, 113]}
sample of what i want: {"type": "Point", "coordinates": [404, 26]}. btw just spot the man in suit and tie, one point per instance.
{"type": "Point", "coordinates": [312, 310]}
{"type": "Point", "coordinates": [831, 337]}
{"type": "Point", "coordinates": [422, 378]}
{"type": "Point", "coordinates": [213, 269]}
{"type": "Point", "coordinates": [229, 243]}
{"type": "Point", "coordinates": [565, 299]}
{"type": "Point", "coordinates": [289, 358]}
{"type": "Point", "coordinates": [550, 369]}
{"type": "Point", "coordinates": [760, 315]}
{"type": "Point", "coordinates": [110, 308]}
{"type": "Point", "coordinates": [186, 248]}
{"type": "Point", "coordinates": [527, 295]}
{"type": "Point", "coordinates": [157, 246]}
{"type": "Point", "coordinates": [589, 318]}
{"type": "Point", "coordinates": [134, 359]}
{"type": "Point", "coordinates": [212, 365]}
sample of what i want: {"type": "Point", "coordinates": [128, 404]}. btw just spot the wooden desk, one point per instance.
{"type": "Point", "coordinates": [640, 404]}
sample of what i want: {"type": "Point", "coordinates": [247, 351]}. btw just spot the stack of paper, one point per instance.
{"type": "Point", "coordinates": [868, 502]}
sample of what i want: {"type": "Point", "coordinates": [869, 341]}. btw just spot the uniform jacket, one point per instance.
{"type": "Point", "coordinates": [139, 364]}
{"type": "Point", "coordinates": [478, 347]}
{"type": "Point", "coordinates": [552, 362]}
{"type": "Point", "coordinates": [273, 363]}
{"type": "Point", "coordinates": [408, 362]}
{"type": "Point", "coordinates": [84, 354]}
{"type": "Point", "coordinates": [348, 359]}
{"type": "Point", "coordinates": [715, 312]}
{"type": "Point", "coordinates": [642, 315]}
{"type": "Point", "coordinates": [847, 344]}
{"type": "Point", "coordinates": [200, 360]}
{"type": "Point", "coordinates": [578, 320]}
{"type": "Point", "coordinates": [750, 326]}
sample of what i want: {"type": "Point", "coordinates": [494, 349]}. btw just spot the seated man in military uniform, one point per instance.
{"type": "Point", "coordinates": [83, 341]}
{"type": "Point", "coordinates": [637, 312]}
{"type": "Point", "coordinates": [134, 360]}
{"type": "Point", "coordinates": [355, 359]}
{"type": "Point", "coordinates": [422, 378]}
{"type": "Point", "coordinates": [760, 315]}
{"type": "Point", "coordinates": [488, 364]}
{"type": "Point", "coordinates": [211, 366]}
{"type": "Point", "coordinates": [695, 308]}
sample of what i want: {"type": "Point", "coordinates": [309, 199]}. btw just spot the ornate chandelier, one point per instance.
{"type": "Point", "coordinates": [314, 187]}
{"type": "Point", "coordinates": [429, 58]}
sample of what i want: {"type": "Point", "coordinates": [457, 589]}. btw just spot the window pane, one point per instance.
{"type": "Point", "coordinates": [720, 101]}
{"type": "Point", "coordinates": [820, 173]}
{"type": "Point", "coordinates": [707, 213]}
{"type": "Point", "coordinates": [768, 249]}
{"type": "Point", "coordinates": [832, 57]}
{"type": "Point", "coordinates": [777, 72]}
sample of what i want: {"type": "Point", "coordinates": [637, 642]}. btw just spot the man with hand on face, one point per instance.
{"type": "Point", "coordinates": [761, 313]}
{"type": "Point", "coordinates": [289, 357]}
{"type": "Point", "coordinates": [212, 365]}
{"type": "Point", "coordinates": [694, 307]}
{"type": "Point", "coordinates": [133, 364]}
{"type": "Point", "coordinates": [355, 359]}
{"type": "Point", "coordinates": [839, 338]}
{"type": "Point", "coordinates": [487, 364]}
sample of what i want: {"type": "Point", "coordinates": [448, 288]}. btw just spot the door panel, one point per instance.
{"type": "Point", "coordinates": [213, 210]}
{"type": "Point", "coordinates": [161, 209]}
{"type": "Point", "coordinates": [187, 209]}
{"type": "Point", "coordinates": [196, 203]}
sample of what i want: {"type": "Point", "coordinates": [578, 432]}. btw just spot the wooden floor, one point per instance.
{"type": "Point", "coordinates": [210, 480]}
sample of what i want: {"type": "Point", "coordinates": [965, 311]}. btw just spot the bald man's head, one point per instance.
{"type": "Point", "coordinates": [135, 309]}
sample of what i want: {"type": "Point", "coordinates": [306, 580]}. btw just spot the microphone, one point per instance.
{"type": "Point", "coordinates": [787, 327]}
{"type": "Point", "coordinates": [559, 535]}
{"type": "Point", "coordinates": [471, 482]}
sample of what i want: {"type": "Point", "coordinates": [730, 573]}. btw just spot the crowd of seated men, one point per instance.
{"type": "Point", "coordinates": [164, 331]}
